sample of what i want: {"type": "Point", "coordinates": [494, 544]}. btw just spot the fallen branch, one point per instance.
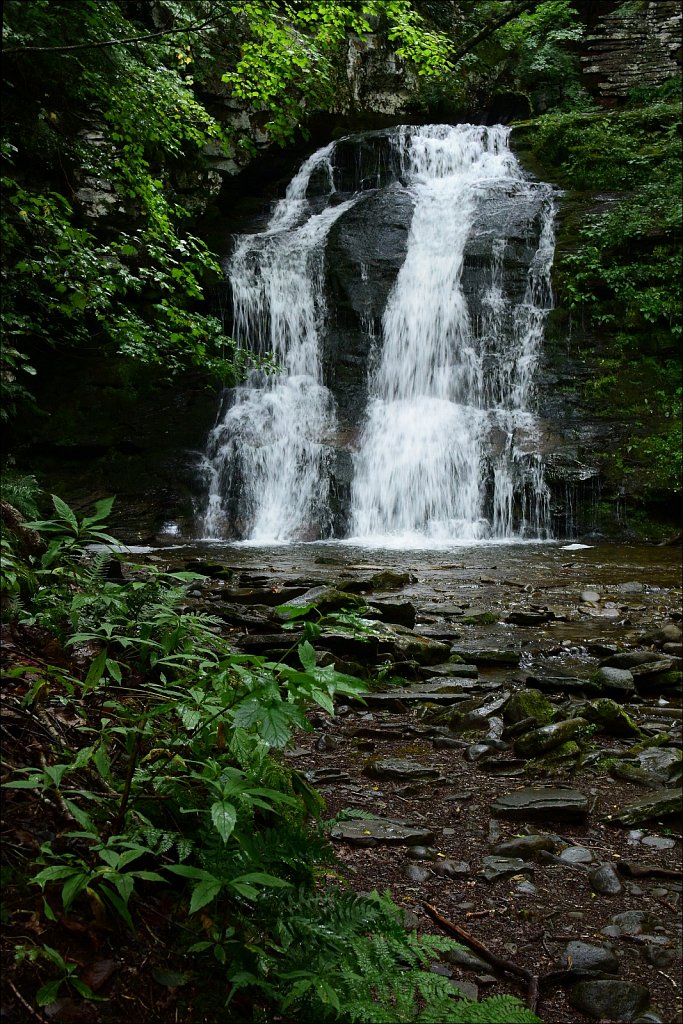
{"type": "Point", "coordinates": [27, 1006]}
{"type": "Point", "coordinates": [508, 966]}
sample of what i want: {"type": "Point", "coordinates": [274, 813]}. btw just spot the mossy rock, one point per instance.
{"type": "Point", "coordinates": [547, 738]}
{"type": "Point", "coordinates": [672, 680]}
{"type": "Point", "coordinates": [610, 717]}
{"type": "Point", "coordinates": [480, 619]}
{"type": "Point", "coordinates": [530, 703]}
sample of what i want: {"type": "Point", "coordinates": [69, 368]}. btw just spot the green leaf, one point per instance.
{"type": "Point", "coordinates": [204, 892]}
{"type": "Point", "coordinates": [189, 872]}
{"type": "Point", "coordinates": [72, 888]}
{"type": "Point", "coordinates": [83, 819]}
{"type": "Point", "coordinates": [53, 873]}
{"type": "Point", "coordinates": [65, 512]}
{"type": "Point", "coordinates": [95, 671]}
{"type": "Point", "coordinates": [263, 878]}
{"type": "Point", "coordinates": [224, 816]}
{"type": "Point", "coordinates": [48, 993]}
{"type": "Point", "coordinates": [118, 904]}
{"type": "Point", "coordinates": [307, 655]}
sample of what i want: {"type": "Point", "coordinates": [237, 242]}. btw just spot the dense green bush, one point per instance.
{"type": "Point", "coordinates": [170, 784]}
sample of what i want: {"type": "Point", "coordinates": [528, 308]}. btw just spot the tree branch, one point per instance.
{"type": "Point", "coordinates": [511, 13]}
{"type": "Point", "coordinates": [112, 42]}
{"type": "Point", "coordinates": [508, 966]}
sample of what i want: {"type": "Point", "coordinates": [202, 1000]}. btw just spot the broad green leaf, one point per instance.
{"type": "Point", "coordinates": [224, 816]}
{"type": "Point", "coordinates": [102, 511]}
{"type": "Point", "coordinates": [72, 888]}
{"type": "Point", "coordinates": [263, 878]}
{"type": "Point", "coordinates": [83, 819]}
{"type": "Point", "coordinates": [55, 872]}
{"type": "Point", "coordinates": [204, 892]}
{"type": "Point", "coordinates": [118, 904]}
{"type": "Point", "coordinates": [324, 700]}
{"type": "Point", "coordinates": [294, 611]}
{"type": "Point", "coordinates": [55, 773]}
{"type": "Point", "coordinates": [307, 655]}
{"type": "Point", "coordinates": [65, 512]}
{"type": "Point", "coordinates": [96, 669]}
{"type": "Point", "coordinates": [189, 872]}
{"type": "Point", "coordinates": [48, 993]}
{"type": "Point", "coordinates": [124, 886]}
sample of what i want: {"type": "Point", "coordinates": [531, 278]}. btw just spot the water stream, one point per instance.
{"type": "Point", "coordinates": [447, 446]}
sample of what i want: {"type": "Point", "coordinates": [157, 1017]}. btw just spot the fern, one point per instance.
{"type": "Point", "coordinates": [342, 957]}
{"type": "Point", "coordinates": [22, 492]}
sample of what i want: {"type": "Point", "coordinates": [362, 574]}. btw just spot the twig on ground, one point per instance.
{"type": "Point", "coordinates": [27, 1006]}
{"type": "Point", "coordinates": [501, 963]}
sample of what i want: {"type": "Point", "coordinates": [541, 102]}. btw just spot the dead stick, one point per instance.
{"type": "Point", "coordinates": [503, 965]}
{"type": "Point", "coordinates": [27, 1006]}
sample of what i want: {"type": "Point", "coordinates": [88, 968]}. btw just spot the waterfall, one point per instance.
{"type": "Point", "coordinates": [269, 443]}
{"type": "Point", "coordinates": [447, 447]}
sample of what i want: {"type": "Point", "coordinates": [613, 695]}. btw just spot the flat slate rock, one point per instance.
{"type": "Point", "coordinates": [436, 690]}
{"type": "Point", "coordinates": [405, 770]}
{"type": "Point", "coordinates": [662, 803]}
{"type": "Point", "coordinates": [371, 831]}
{"type": "Point", "coordinates": [495, 867]}
{"type": "Point", "coordinates": [533, 802]}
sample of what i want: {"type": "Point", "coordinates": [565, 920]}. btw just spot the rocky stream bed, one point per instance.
{"type": "Point", "coordinates": [512, 775]}
{"type": "Point", "coordinates": [516, 761]}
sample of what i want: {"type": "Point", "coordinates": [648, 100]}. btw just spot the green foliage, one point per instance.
{"type": "Point", "coordinates": [532, 53]}
{"type": "Point", "coordinates": [292, 53]}
{"type": "Point", "coordinates": [48, 993]}
{"type": "Point", "coordinates": [22, 491]}
{"type": "Point", "coordinates": [121, 121]}
{"type": "Point", "coordinates": [176, 786]}
{"type": "Point", "coordinates": [622, 274]}
{"type": "Point", "coordinates": [540, 51]}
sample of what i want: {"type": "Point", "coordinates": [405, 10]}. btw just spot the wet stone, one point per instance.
{"type": "Point", "coordinates": [548, 737]}
{"type": "Point", "coordinates": [525, 847]}
{"type": "Point", "coordinates": [494, 867]}
{"type": "Point", "coordinates": [476, 751]}
{"type": "Point", "coordinates": [604, 880]}
{"type": "Point", "coordinates": [610, 717]}
{"type": "Point", "coordinates": [529, 618]}
{"type": "Point", "coordinates": [421, 853]}
{"type": "Point", "coordinates": [659, 842]}
{"type": "Point", "coordinates": [577, 855]}
{"type": "Point", "coordinates": [463, 958]}
{"type": "Point", "coordinates": [543, 803]}
{"type": "Point", "coordinates": [489, 657]}
{"type": "Point", "coordinates": [635, 922]}
{"type": "Point", "coordinates": [617, 681]}
{"type": "Point", "coordinates": [580, 956]}
{"type": "Point", "coordinates": [448, 868]}
{"type": "Point", "coordinates": [401, 769]}
{"type": "Point", "coordinates": [370, 831]}
{"type": "Point", "coordinates": [662, 803]}
{"type": "Point", "coordinates": [417, 873]}
{"type": "Point", "coordinates": [610, 1000]}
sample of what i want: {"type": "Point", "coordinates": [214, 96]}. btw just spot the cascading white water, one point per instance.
{"type": "Point", "coordinates": [270, 442]}
{"type": "Point", "coordinates": [448, 447]}
{"type": "Point", "coordinates": [449, 412]}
